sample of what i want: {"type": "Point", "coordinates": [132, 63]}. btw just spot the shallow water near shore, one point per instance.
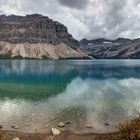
{"type": "Point", "coordinates": [39, 94]}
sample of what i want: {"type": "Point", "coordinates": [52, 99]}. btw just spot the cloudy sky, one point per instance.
{"type": "Point", "coordinates": [84, 18]}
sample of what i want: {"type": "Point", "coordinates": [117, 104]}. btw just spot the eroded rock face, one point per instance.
{"type": "Point", "coordinates": [34, 29]}
{"type": "Point", "coordinates": [39, 51]}
{"type": "Point", "coordinates": [36, 36]}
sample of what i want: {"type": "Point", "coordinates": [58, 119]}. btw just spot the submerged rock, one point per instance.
{"type": "Point", "coordinates": [15, 126]}
{"type": "Point", "coordinates": [106, 124]}
{"type": "Point", "coordinates": [56, 131]}
{"type": "Point", "coordinates": [88, 125]}
{"type": "Point", "coordinates": [1, 126]}
{"type": "Point", "coordinates": [61, 124]}
{"type": "Point", "coordinates": [68, 123]}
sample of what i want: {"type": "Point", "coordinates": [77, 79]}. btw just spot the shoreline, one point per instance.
{"type": "Point", "coordinates": [127, 130]}
{"type": "Point", "coordinates": [66, 135]}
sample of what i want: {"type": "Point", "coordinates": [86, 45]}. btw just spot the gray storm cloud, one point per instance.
{"type": "Point", "coordinates": [85, 18]}
{"type": "Point", "coordinates": [78, 4]}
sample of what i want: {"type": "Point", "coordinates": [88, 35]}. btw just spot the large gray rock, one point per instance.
{"type": "Point", "coordinates": [55, 132]}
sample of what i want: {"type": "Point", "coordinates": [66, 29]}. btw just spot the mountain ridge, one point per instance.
{"type": "Point", "coordinates": [20, 36]}
{"type": "Point", "coordinates": [121, 48]}
{"type": "Point", "coordinates": [17, 26]}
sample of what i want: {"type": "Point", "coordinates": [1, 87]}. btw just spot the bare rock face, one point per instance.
{"type": "Point", "coordinates": [120, 48]}
{"type": "Point", "coordinates": [39, 51]}
{"type": "Point", "coordinates": [36, 36]}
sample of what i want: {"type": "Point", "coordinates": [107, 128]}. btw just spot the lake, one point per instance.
{"type": "Point", "coordinates": [39, 94]}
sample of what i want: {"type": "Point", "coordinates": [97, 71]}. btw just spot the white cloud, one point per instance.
{"type": "Point", "coordinates": [85, 19]}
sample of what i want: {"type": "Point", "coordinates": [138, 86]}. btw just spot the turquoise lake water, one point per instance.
{"type": "Point", "coordinates": [38, 94]}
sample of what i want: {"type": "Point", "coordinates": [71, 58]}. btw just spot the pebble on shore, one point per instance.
{"type": "Point", "coordinates": [88, 126]}
{"type": "Point", "coordinates": [15, 127]}
{"type": "Point", "coordinates": [61, 124]}
{"type": "Point", "coordinates": [55, 131]}
{"type": "Point", "coordinates": [16, 138]}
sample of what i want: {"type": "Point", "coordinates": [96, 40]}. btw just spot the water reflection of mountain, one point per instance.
{"type": "Point", "coordinates": [34, 71]}
{"type": "Point", "coordinates": [37, 80]}
{"type": "Point", "coordinates": [101, 73]}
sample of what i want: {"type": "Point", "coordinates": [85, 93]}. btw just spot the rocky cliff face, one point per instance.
{"type": "Point", "coordinates": [112, 49]}
{"type": "Point", "coordinates": [36, 36]}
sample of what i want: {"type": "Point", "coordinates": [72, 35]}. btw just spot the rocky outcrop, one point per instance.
{"type": "Point", "coordinates": [39, 51]}
{"type": "Point", "coordinates": [120, 48]}
{"type": "Point", "coordinates": [36, 36]}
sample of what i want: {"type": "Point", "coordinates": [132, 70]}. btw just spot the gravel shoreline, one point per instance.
{"type": "Point", "coordinates": [11, 135]}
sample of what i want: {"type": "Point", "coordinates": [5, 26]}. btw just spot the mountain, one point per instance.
{"type": "Point", "coordinates": [120, 48]}
{"type": "Point", "coordinates": [36, 36]}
